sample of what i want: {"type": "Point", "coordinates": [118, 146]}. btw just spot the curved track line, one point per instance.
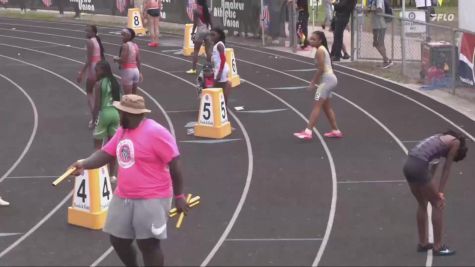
{"type": "Point", "coordinates": [33, 133]}
{"type": "Point", "coordinates": [248, 144]}
{"type": "Point", "coordinates": [376, 84]}
{"type": "Point", "coordinates": [362, 79]}
{"type": "Point", "coordinates": [167, 118]}
{"type": "Point", "coordinates": [51, 213]}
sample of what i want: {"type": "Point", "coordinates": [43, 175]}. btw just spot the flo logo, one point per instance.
{"type": "Point", "coordinates": [443, 17]}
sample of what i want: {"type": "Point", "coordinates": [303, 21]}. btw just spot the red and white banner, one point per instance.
{"type": "Point", "coordinates": [467, 59]}
{"type": "Point", "coordinates": [47, 3]}
{"type": "Point", "coordinates": [121, 4]}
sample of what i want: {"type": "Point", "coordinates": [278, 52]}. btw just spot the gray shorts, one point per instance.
{"type": "Point", "coordinates": [417, 170]}
{"type": "Point", "coordinates": [378, 37]}
{"type": "Point", "coordinates": [130, 76]}
{"type": "Point", "coordinates": [138, 218]}
{"type": "Point", "coordinates": [201, 34]}
{"type": "Point", "coordinates": [326, 86]}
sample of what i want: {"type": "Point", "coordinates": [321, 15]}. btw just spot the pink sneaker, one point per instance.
{"type": "Point", "coordinates": [304, 135]}
{"type": "Point", "coordinates": [334, 134]}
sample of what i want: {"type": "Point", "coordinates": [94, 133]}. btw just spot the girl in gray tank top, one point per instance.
{"type": "Point", "coordinates": [419, 171]}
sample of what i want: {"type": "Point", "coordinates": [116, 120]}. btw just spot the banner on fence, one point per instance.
{"type": "Point", "coordinates": [467, 59]}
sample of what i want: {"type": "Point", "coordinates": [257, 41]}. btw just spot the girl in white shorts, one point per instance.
{"type": "Point", "coordinates": [327, 81]}
{"type": "Point", "coordinates": [220, 67]}
{"type": "Point", "coordinates": [129, 62]}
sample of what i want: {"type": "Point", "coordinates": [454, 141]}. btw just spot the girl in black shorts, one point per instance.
{"type": "Point", "coordinates": [419, 170]}
{"type": "Point", "coordinates": [153, 8]}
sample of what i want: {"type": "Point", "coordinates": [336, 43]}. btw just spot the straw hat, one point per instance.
{"type": "Point", "coordinates": [133, 104]}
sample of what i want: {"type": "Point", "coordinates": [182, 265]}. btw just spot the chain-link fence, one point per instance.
{"type": "Point", "coordinates": [422, 53]}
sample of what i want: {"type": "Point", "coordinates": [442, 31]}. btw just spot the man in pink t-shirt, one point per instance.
{"type": "Point", "coordinates": [148, 175]}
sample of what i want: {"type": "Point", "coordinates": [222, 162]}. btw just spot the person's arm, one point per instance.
{"type": "Point", "coordinates": [122, 58]}
{"type": "Point", "coordinates": [177, 181]}
{"type": "Point", "coordinates": [89, 48]}
{"type": "Point", "coordinates": [321, 65]}
{"type": "Point", "coordinates": [97, 100]}
{"type": "Point", "coordinates": [222, 56]}
{"type": "Point", "coordinates": [94, 161]}
{"type": "Point", "coordinates": [454, 147]}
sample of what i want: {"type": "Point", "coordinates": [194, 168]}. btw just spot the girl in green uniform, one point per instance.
{"type": "Point", "coordinates": [106, 91]}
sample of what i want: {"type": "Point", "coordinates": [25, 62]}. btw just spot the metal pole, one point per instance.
{"type": "Point", "coordinates": [454, 61]}
{"type": "Point", "coordinates": [262, 24]}
{"type": "Point", "coordinates": [292, 27]}
{"type": "Point", "coordinates": [352, 49]}
{"type": "Point", "coordinates": [403, 38]}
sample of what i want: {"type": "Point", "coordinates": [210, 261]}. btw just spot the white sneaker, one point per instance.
{"type": "Point", "coordinates": [113, 179]}
{"type": "Point", "coordinates": [4, 203]}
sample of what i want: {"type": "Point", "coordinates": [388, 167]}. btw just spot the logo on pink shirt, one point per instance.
{"type": "Point", "coordinates": [125, 153]}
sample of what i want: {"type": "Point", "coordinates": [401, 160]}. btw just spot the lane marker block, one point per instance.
{"type": "Point", "coordinates": [213, 115]}
{"type": "Point", "coordinates": [135, 22]}
{"type": "Point", "coordinates": [233, 75]}
{"type": "Point", "coordinates": [91, 197]}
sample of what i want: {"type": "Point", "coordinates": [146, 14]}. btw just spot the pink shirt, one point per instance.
{"type": "Point", "coordinates": [143, 155]}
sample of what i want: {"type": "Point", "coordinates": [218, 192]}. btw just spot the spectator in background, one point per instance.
{"type": "Point", "coordinates": [328, 13]}
{"type": "Point", "coordinates": [302, 23]}
{"type": "Point", "coordinates": [60, 4]}
{"type": "Point", "coordinates": [343, 10]}
{"type": "Point", "coordinates": [376, 8]}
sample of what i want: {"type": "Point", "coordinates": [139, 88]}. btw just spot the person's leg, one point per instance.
{"type": "Point", "coordinates": [90, 98]}
{"type": "Point", "coordinates": [340, 25]}
{"type": "Point", "coordinates": [422, 216]}
{"type": "Point", "coordinates": [305, 31]}
{"type": "Point", "coordinates": [157, 29]}
{"type": "Point", "coordinates": [196, 54]}
{"type": "Point", "coordinates": [430, 192]}
{"type": "Point", "coordinates": [151, 251]}
{"type": "Point", "coordinates": [317, 107]}
{"type": "Point", "coordinates": [125, 250]}
{"type": "Point", "coordinates": [327, 108]}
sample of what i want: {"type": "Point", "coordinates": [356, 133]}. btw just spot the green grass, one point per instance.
{"type": "Point", "coordinates": [28, 15]}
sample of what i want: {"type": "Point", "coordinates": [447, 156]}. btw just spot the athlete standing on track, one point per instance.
{"type": "Point", "coordinates": [200, 32]}
{"type": "Point", "coordinates": [153, 8]}
{"type": "Point", "coordinates": [149, 175]}
{"type": "Point", "coordinates": [419, 170]}
{"type": "Point", "coordinates": [107, 120]}
{"type": "Point", "coordinates": [95, 53]}
{"type": "Point", "coordinates": [220, 67]}
{"type": "Point", "coordinates": [327, 81]}
{"type": "Point", "coordinates": [129, 62]}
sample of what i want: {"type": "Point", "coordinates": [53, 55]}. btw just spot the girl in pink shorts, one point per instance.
{"type": "Point", "coordinates": [129, 62]}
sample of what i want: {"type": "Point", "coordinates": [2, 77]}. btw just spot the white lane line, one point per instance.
{"type": "Point", "coordinates": [34, 228]}
{"type": "Point", "coordinates": [210, 141]}
{"type": "Point", "coordinates": [182, 111]}
{"type": "Point", "coordinates": [8, 234]}
{"type": "Point", "coordinates": [290, 88]}
{"type": "Point", "coordinates": [270, 239]}
{"type": "Point", "coordinates": [32, 177]}
{"type": "Point", "coordinates": [33, 132]}
{"type": "Point", "coordinates": [386, 129]}
{"type": "Point", "coordinates": [378, 85]}
{"type": "Point", "coordinates": [167, 118]}
{"type": "Point", "coordinates": [302, 70]}
{"type": "Point", "coordinates": [331, 216]}
{"type": "Point", "coordinates": [77, 87]}
{"type": "Point", "coordinates": [263, 111]}
{"type": "Point", "coordinates": [371, 182]}
{"type": "Point", "coordinates": [102, 257]}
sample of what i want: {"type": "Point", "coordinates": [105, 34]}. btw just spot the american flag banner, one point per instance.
{"type": "Point", "coordinates": [265, 17]}
{"type": "Point", "coordinates": [466, 67]}
{"type": "Point", "coordinates": [120, 4]}
{"type": "Point", "coordinates": [189, 9]}
{"type": "Point", "coordinates": [47, 3]}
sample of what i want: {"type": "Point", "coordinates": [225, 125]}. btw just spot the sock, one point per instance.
{"type": "Point", "coordinates": [308, 131]}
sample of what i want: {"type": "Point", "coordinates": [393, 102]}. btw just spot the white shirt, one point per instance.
{"type": "Point", "coordinates": [420, 3]}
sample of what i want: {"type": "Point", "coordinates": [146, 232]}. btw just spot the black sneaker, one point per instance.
{"type": "Point", "coordinates": [335, 59]}
{"type": "Point", "coordinates": [425, 248]}
{"type": "Point", "coordinates": [444, 251]}
{"type": "Point", "coordinates": [346, 56]}
{"type": "Point", "coordinates": [388, 64]}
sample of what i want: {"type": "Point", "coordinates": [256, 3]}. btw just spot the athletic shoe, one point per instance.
{"type": "Point", "coordinates": [346, 56]}
{"type": "Point", "coordinates": [335, 59]}
{"type": "Point", "coordinates": [334, 134]}
{"type": "Point", "coordinates": [191, 71]}
{"type": "Point", "coordinates": [304, 135]}
{"type": "Point", "coordinates": [4, 203]}
{"type": "Point", "coordinates": [90, 124]}
{"type": "Point", "coordinates": [421, 248]}
{"type": "Point", "coordinates": [388, 64]}
{"type": "Point", "coordinates": [113, 179]}
{"type": "Point", "coordinates": [153, 44]}
{"type": "Point", "coordinates": [444, 251]}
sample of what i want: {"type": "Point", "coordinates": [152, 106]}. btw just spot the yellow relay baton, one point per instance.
{"type": "Point", "coordinates": [182, 214]}
{"type": "Point", "coordinates": [64, 176]}
{"type": "Point", "coordinates": [193, 200]}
